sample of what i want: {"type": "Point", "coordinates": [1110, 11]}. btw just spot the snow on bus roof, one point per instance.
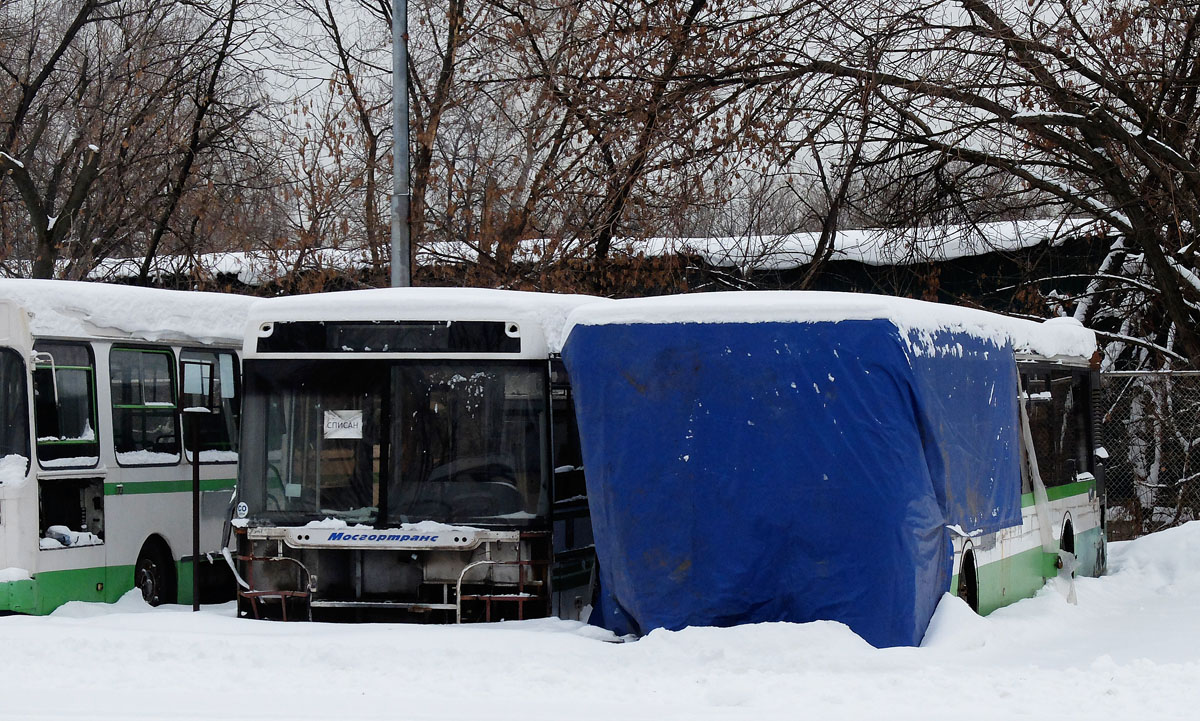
{"type": "Point", "coordinates": [547, 311]}
{"type": "Point", "coordinates": [63, 308]}
{"type": "Point", "coordinates": [1054, 337]}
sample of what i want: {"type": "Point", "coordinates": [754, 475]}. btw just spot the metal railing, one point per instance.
{"type": "Point", "coordinates": [1150, 429]}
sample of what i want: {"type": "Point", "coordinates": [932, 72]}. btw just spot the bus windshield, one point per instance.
{"type": "Point", "coordinates": [14, 417]}
{"type": "Point", "coordinates": [388, 442]}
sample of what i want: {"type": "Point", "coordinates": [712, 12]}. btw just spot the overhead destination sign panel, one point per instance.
{"type": "Point", "coordinates": [400, 336]}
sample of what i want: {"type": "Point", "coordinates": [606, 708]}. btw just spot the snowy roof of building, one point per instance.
{"type": "Point", "coordinates": [872, 246]}
{"type": "Point", "coordinates": [1054, 337]}
{"type": "Point", "coordinates": [547, 312]}
{"type": "Point", "coordinates": [69, 309]}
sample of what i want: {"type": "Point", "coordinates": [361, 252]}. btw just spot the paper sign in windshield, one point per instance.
{"type": "Point", "coordinates": [343, 424]}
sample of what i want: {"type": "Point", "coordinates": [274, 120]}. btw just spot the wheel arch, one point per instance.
{"type": "Point", "coordinates": [156, 548]}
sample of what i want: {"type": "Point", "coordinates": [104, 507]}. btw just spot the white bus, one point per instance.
{"type": "Point", "coordinates": [95, 451]}
{"type": "Point", "coordinates": [409, 451]}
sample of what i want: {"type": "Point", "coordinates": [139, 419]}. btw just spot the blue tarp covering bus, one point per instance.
{"type": "Point", "coordinates": [741, 472]}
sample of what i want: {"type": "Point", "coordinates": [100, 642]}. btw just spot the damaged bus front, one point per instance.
{"type": "Point", "coordinates": [398, 456]}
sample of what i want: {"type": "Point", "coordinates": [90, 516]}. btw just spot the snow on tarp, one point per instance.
{"type": "Point", "coordinates": [547, 312]}
{"type": "Point", "coordinates": [1057, 336]}
{"type": "Point", "coordinates": [71, 309]}
{"type": "Point", "coordinates": [793, 456]}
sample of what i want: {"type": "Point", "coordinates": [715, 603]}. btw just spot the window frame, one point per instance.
{"type": "Point", "coordinates": [255, 477]}
{"type": "Point", "coordinates": [237, 390]}
{"type": "Point", "coordinates": [114, 407]}
{"type": "Point", "coordinates": [94, 416]}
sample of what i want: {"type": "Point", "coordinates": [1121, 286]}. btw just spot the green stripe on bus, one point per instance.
{"type": "Point", "coordinates": [1057, 493]}
{"type": "Point", "coordinates": [1020, 575]}
{"type": "Point", "coordinates": [130, 488]}
{"type": "Point", "coordinates": [50, 589]}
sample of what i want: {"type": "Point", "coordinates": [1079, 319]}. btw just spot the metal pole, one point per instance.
{"type": "Point", "coordinates": [195, 443]}
{"type": "Point", "coordinates": [401, 193]}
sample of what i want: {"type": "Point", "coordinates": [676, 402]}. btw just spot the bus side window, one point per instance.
{"type": "Point", "coordinates": [145, 427]}
{"type": "Point", "coordinates": [212, 386]}
{"type": "Point", "coordinates": [64, 396]}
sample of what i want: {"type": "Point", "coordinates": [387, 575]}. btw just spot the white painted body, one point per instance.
{"type": "Point", "coordinates": [104, 316]}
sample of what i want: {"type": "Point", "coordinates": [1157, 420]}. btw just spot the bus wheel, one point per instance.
{"type": "Point", "coordinates": [153, 575]}
{"type": "Point", "coordinates": [968, 581]}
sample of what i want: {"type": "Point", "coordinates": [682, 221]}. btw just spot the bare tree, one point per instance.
{"type": "Point", "coordinates": [135, 109]}
{"type": "Point", "coordinates": [1089, 109]}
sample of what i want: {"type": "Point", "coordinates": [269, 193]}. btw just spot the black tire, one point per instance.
{"type": "Point", "coordinates": [154, 575]}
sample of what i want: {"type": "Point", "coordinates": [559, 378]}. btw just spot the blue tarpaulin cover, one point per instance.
{"type": "Point", "coordinates": [789, 471]}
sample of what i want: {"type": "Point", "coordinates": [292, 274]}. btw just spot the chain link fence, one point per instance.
{"type": "Point", "coordinates": [1150, 429]}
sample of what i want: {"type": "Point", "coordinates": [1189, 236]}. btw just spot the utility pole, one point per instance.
{"type": "Point", "coordinates": [401, 192]}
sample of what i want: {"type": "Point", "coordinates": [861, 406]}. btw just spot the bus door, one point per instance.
{"type": "Point", "coordinates": [71, 554]}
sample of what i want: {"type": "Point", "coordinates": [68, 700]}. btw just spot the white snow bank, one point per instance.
{"type": "Point", "coordinates": [13, 469]}
{"type": "Point", "coordinates": [545, 312]}
{"type": "Point", "coordinates": [8, 575]}
{"type": "Point", "coordinates": [1057, 336]}
{"type": "Point", "coordinates": [131, 602]}
{"type": "Point", "coordinates": [1126, 651]}
{"type": "Point", "coordinates": [69, 308]}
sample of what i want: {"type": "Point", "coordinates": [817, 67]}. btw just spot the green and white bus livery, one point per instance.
{"type": "Point", "coordinates": [1063, 533]}
{"type": "Point", "coordinates": [95, 451]}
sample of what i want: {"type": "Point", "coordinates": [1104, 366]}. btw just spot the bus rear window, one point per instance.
{"type": "Point", "coordinates": [64, 392]}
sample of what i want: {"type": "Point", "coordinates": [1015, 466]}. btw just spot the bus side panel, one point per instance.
{"type": "Point", "coordinates": [1011, 564]}
{"type": "Point", "coordinates": [163, 508]}
{"type": "Point", "coordinates": [18, 596]}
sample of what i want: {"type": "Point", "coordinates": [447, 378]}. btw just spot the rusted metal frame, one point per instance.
{"type": "Point", "coordinates": [520, 598]}
{"type": "Point", "coordinates": [282, 595]}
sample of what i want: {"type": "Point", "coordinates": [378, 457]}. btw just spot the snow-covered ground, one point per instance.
{"type": "Point", "coordinates": [1130, 649]}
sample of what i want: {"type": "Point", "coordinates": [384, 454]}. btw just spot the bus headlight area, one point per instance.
{"type": "Point", "coordinates": [430, 573]}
